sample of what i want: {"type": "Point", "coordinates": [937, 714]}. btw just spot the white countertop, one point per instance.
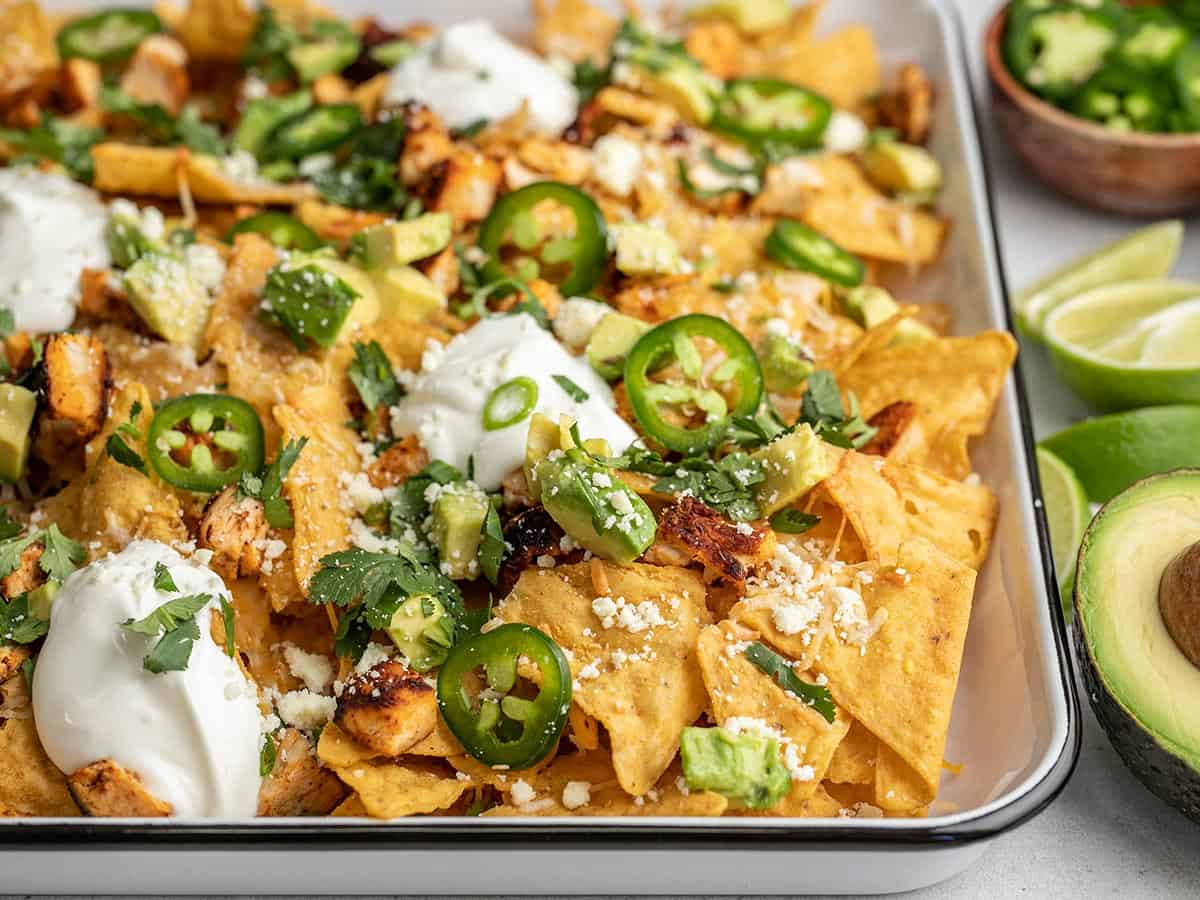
{"type": "Point", "coordinates": [1106, 836]}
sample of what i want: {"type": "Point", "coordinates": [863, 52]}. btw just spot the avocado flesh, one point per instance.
{"type": "Point", "coordinates": [458, 516]}
{"type": "Point", "coordinates": [1141, 686]}
{"type": "Point", "coordinates": [17, 408]}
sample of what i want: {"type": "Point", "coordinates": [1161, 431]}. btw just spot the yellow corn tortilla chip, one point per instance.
{"type": "Point", "coordinates": [643, 686]}
{"type": "Point", "coordinates": [854, 759]}
{"type": "Point", "coordinates": [352, 807]}
{"type": "Point", "coordinates": [391, 790]}
{"type": "Point", "coordinates": [843, 66]}
{"type": "Point", "coordinates": [737, 688]}
{"type": "Point", "coordinates": [217, 29]}
{"type": "Point", "coordinates": [954, 382]}
{"type": "Point", "coordinates": [28, 55]}
{"type": "Point", "coordinates": [30, 785]}
{"type": "Point", "coordinates": [131, 169]}
{"type": "Point", "coordinates": [888, 503]}
{"type": "Point", "coordinates": [337, 749]}
{"type": "Point", "coordinates": [574, 29]}
{"type": "Point", "coordinates": [901, 684]}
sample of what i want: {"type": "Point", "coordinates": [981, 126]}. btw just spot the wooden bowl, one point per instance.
{"type": "Point", "coordinates": [1129, 173]}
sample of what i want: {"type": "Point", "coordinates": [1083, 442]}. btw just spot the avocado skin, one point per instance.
{"type": "Point", "coordinates": [1165, 775]}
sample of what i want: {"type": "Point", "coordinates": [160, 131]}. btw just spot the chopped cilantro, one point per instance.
{"type": "Point", "coordinates": [771, 663]}
{"type": "Point", "coordinates": [726, 485]}
{"type": "Point", "coordinates": [469, 131]}
{"type": "Point", "coordinates": [27, 668]}
{"type": "Point", "coordinates": [161, 127]}
{"type": "Point", "coordinates": [118, 449]}
{"type": "Point", "coordinates": [372, 376]}
{"type": "Point", "coordinates": [17, 624]}
{"type": "Point", "coordinates": [574, 391]}
{"type": "Point", "coordinates": [267, 485]}
{"type": "Point", "coordinates": [60, 555]}
{"type": "Point", "coordinates": [59, 141]}
{"type": "Point", "coordinates": [267, 756]}
{"type": "Point", "coordinates": [9, 527]}
{"type": "Point", "coordinates": [368, 177]}
{"type": "Point", "coordinates": [162, 579]}
{"type": "Point", "coordinates": [228, 617]}
{"type": "Point", "coordinates": [175, 620]}
{"type": "Point", "coordinates": [792, 521]}
{"type": "Point", "coordinates": [589, 78]}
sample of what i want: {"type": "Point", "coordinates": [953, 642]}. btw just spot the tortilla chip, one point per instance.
{"type": "Point", "coordinates": [28, 54]}
{"type": "Point", "coordinates": [352, 807]}
{"type": "Point", "coordinates": [900, 685]}
{"type": "Point", "coordinates": [391, 790]}
{"type": "Point", "coordinates": [738, 688]}
{"type": "Point", "coordinates": [854, 759]}
{"type": "Point", "coordinates": [844, 67]}
{"type": "Point", "coordinates": [217, 29]}
{"type": "Point", "coordinates": [574, 29]}
{"type": "Point", "coordinates": [132, 169]}
{"type": "Point", "coordinates": [30, 785]}
{"type": "Point", "coordinates": [887, 504]}
{"type": "Point", "coordinates": [643, 686]}
{"type": "Point", "coordinates": [338, 749]}
{"type": "Point", "coordinates": [955, 382]}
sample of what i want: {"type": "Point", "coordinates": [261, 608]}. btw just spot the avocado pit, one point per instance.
{"type": "Point", "coordinates": [1179, 602]}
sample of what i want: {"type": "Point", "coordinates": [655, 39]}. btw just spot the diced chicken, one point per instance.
{"type": "Point", "coordinates": [398, 463]}
{"type": "Point", "coordinates": [907, 105]}
{"type": "Point", "coordinates": [468, 187]}
{"type": "Point", "coordinates": [717, 46]}
{"type": "Point", "coordinates": [158, 73]}
{"type": "Point", "coordinates": [235, 529]}
{"type": "Point", "coordinates": [79, 83]}
{"type": "Point", "coordinates": [658, 117]}
{"type": "Point", "coordinates": [26, 576]}
{"type": "Point", "coordinates": [336, 223]}
{"type": "Point", "coordinates": [443, 271]}
{"type": "Point", "coordinates": [556, 159]}
{"type": "Point", "coordinates": [298, 785]}
{"type": "Point", "coordinates": [726, 550]}
{"type": "Point", "coordinates": [427, 144]}
{"type": "Point", "coordinates": [388, 708]}
{"type": "Point", "coordinates": [894, 423]}
{"type": "Point", "coordinates": [77, 383]}
{"type": "Point", "coordinates": [532, 535]}
{"type": "Point", "coordinates": [12, 657]}
{"type": "Point", "coordinates": [107, 790]}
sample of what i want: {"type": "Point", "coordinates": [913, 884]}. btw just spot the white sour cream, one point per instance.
{"type": "Point", "coordinates": [471, 72]}
{"type": "Point", "coordinates": [444, 406]}
{"type": "Point", "coordinates": [51, 229]}
{"type": "Point", "coordinates": [193, 737]}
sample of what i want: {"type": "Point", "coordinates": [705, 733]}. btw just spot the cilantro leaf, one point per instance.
{"type": "Point", "coordinates": [792, 521]}
{"type": "Point", "coordinates": [11, 550]}
{"type": "Point", "coordinates": [116, 447]}
{"type": "Point", "coordinates": [228, 617]}
{"type": "Point", "coordinates": [8, 323]}
{"type": "Point", "coordinates": [574, 391]}
{"type": "Point", "coordinates": [27, 668]}
{"type": "Point", "coordinates": [59, 141]}
{"type": "Point", "coordinates": [8, 526]}
{"type": "Point", "coordinates": [267, 756]}
{"type": "Point", "coordinates": [589, 78]}
{"type": "Point", "coordinates": [726, 485]}
{"type": "Point", "coordinates": [17, 624]}
{"type": "Point", "coordinates": [814, 695]}
{"type": "Point", "coordinates": [491, 545]}
{"type": "Point", "coordinates": [170, 615]}
{"type": "Point", "coordinates": [821, 408]}
{"type": "Point", "coordinates": [61, 555]}
{"type": "Point", "coordinates": [372, 376]}
{"type": "Point", "coordinates": [173, 650]}
{"type": "Point", "coordinates": [162, 579]}
{"type": "Point", "coordinates": [267, 486]}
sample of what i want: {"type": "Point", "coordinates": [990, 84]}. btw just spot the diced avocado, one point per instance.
{"type": "Point", "coordinates": [407, 293]}
{"type": "Point", "coordinates": [41, 599]}
{"type": "Point", "coordinates": [784, 363]}
{"type": "Point", "coordinates": [263, 114]}
{"type": "Point", "coordinates": [392, 53]}
{"type": "Point", "coordinates": [423, 631]}
{"type": "Point", "coordinates": [611, 342]}
{"type": "Point", "coordinates": [458, 515]}
{"type": "Point", "coordinates": [592, 505]}
{"type": "Point", "coordinates": [644, 250]}
{"type": "Point", "coordinates": [746, 768]}
{"type": "Point", "coordinates": [127, 243]}
{"type": "Point", "coordinates": [399, 243]}
{"type": "Point", "coordinates": [870, 306]}
{"type": "Point", "coordinates": [169, 298]}
{"type": "Point", "coordinates": [675, 80]}
{"type": "Point", "coordinates": [902, 168]}
{"type": "Point", "coordinates": [367, 308]}
{"type": "Point", "coordinates": [795, 464]}
{"type": "Point", "coordinates": [335, 47]}
{"type": "Point", "coordinates": [17, 408]}
{"type": "Point", "coordinates": [543, 437]}
{"type": "Point", "coordinates": [750, 16]}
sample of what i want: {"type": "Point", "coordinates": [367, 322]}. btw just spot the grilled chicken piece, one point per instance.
{"type": "Point", "coordinates": [158, 73]}
{"type": "Point", "coordinates": [468, 187]}
{"type": "Point", "coordinates": [106, 790]}
{"type": "Point", "coordinates": [726, 550]}
{"type": "Point", "coordinates": [79, 83]}
{"type": "Point", "coordinates": [12, 657]}
{"type": "Point", "coordinates": [235, 529]}
{"type": "Point", "coordinates": [908, 105]}
{"type": "Point", "coordinates": [388, 708]}
{"type": "Point", "coordinates": [77, 382]}
{"type": "Point", "coordinates": [427, 143]}
{"type": "Point", "coordinates": [531, 535]}
{"type": "Point", "coordinates": [398, 463]}
{"type": "Point", "coordinates": [443, 270]}
{"type": "Point", "coordinates": [298, 785]}
{"type": "Point", "coordinates": [894, 422]}
{"type": "Point", "coordinates": [26, 576]}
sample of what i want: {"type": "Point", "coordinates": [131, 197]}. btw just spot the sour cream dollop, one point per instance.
{"type": "Point", "coordinates": [193, 737]}
{"type": "Point", "coordinates": [51, 229]}
{"type": "Point", "coordinates": [471, 72]}
{"type": "Point", "coordinates": [444, 406]}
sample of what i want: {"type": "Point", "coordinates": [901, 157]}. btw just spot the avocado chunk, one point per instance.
{"type": "Point", "coordinates": [644, 250]}
{"type": "Point", "coordinates": [785, 364]}
{"type": "Point", "coordinates": [368, 307]}
{"type": "Point", "coordinates": [41, 599]}
{"type": "Point", "coordinates": [263, 114]}
{"type": "Point", "coordinates": [674, 79]}
{"type": "Point", "coordinates": [795, 464]}
{"type": "Point", "coordinates": [750, 16]}
{"type": "Point", "coordinates": [17, 408]}
{"type": "Point", "coordinates": [746, 767]}
{"type": "Point", "coordinates": [423, 631]}
{"type": "Point", "coordinates": [406, 293]}
{"type": "Point", "coordinates": [902, 168]}
{"type": "Point", "coordinates": [169, 298]}
{"type": "Point", "coordinates": [611, 342]}
{"type": "Point", "coordinates": [592, 505]}
{"type": "Point", "coordinates": [1141, 685]}
{"type": "Point", "coordinates": [332, 47]}
{"type": "Point", "coordinates": [399, 243]}
{"type": "Point", "coordinates": [458, 514]}
{"type": "Point", "coordinates": [870, 306]}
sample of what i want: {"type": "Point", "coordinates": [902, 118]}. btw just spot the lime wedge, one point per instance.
{"type": "Point", "coordinates": [1148, 253]}
{"type": "Point", "coordinates": [1109, 453]}
{"type": "Point", "coordinates": [1129, 345]}
{"type": "Point", "coordinates": [1067, 513]}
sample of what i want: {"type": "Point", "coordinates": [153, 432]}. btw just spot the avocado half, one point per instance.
{"type": "Point", "coordinates": [1144, 691]}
